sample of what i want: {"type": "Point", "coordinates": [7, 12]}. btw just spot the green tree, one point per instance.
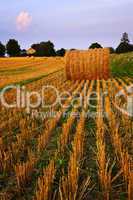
{"type": "Point", "coordinates": [13, 48]}
{"type": "Point", "coordinates": [112, 50]}
{"type": "Point", "coordinates": [95, 45]}
{"type": "Point", "coordinates": [61, 52]}
{"type": "Point", "coordinates": [2, 50]}
{"type": "Point", "coordinates": [23, 53]}
{"type": "Point", "coordinates": [44, 49]}
{"type": "Point", "coordinates": [36, 48]}
{"type": "Point", "coordinates": [124, 48]}
{"type": "Point", "coordinates": [124, 45]}
{"type": "Point", "coordinates": [125, 38]}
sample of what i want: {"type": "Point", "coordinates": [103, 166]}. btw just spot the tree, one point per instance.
{"type": "Point", "coordinates": [36, 48]}
{"type": "Point", "coordinates": [125, 38]}
{"type": "Point", "coordinates": [61, 52]}
{"type": "Point", "coordinates": [124, 48]}
{"type": "Point", "coordinates": [95, 45]}
{"type": "Point", "coordinates": [2, 50]}
{"type": "Point", "coordinates": [23, 53]}
{"type": "Point", "coordinates": [49, 49]}
{"type": "Point", "coordinates": [124, 45]}
{"type": "Point", "coordinates": [44, 49]}
{"type": "Point", "coordinates": [13, 48]}
{"type": "Point", "coordinates": [111, 50]}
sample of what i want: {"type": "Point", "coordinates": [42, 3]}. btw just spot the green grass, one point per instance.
{"type": "Point", "coordinates": [122, 65]}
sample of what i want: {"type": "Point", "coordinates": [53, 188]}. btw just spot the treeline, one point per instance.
{"type": "Point", "coordinates": [47, 49]}
{"type": "Point", "coordinates": [124, 46]}
{"type": "Point", "coordinates": [13, 49]}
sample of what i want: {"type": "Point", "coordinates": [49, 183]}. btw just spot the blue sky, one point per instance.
{"type": "Point", "coordinates": [67, 23]}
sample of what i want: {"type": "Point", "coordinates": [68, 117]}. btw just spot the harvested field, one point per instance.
{"type": "Point", "coordinates": [84, 150]}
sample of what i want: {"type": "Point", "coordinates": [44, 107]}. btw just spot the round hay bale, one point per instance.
{"type": "Point", "coordinates": [87, 65]}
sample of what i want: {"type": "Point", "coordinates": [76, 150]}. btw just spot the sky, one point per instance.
{"type": "Point", "coordinates": [67, 23]}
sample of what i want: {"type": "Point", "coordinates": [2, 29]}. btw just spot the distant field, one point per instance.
{"type": "Point", "coordinates": [15, 70]}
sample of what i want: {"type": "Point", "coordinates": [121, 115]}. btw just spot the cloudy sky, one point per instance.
{"type": "Point", "coordinates": [68, 23]}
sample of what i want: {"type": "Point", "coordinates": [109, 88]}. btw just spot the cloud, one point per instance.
{"type": "Point", "coordinates": [23, 21]}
